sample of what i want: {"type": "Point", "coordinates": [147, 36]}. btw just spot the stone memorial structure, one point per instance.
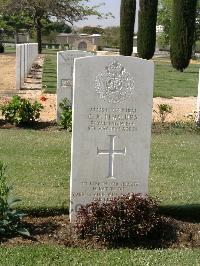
{"type": "Point", "coordinates": [65, 65]}
{"type": "Point", "coordinates": [112, 111]}
{"type": "Point", "coordinates": [26, 54]}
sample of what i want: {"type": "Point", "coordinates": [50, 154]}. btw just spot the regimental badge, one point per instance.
{"type": "Point", "coordinates": [115, 84]}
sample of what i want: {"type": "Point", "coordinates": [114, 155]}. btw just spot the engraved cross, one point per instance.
{"type": "Point", "coordinates": [111, 152]}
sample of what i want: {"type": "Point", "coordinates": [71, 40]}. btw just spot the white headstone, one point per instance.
{"type": "Point", "coordinates": [65, 66]}
{"type": "Point", "coordinates": [25, 56]}
{"type": "Point", "coordinates": [18, 66]}
{"type": "Point", "coordinates": [112, 111]}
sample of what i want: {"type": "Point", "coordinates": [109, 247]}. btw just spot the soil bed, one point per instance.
{"type": "Point", "coordinates": [182, 108]}
{"type": "Point", "coordinates": [56, 230]}
{"type": "Point", "coordinates": [7, 73]}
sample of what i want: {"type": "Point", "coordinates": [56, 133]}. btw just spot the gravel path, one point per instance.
{"type": "Point", "coordinates": [7, 72]}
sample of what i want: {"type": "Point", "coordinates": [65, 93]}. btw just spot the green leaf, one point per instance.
{"type": "Point", "coordinates": [23, 231]}
{"type": "Point", "coordinates": [12, 201]}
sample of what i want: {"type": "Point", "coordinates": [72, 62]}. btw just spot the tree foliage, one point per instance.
{"type": "Point", "coordinates": [92, 30]}
{"type": "Point", "coordinates": [111, 37]}
{"type": "Point", "coordinates": [127, 21]}
{"type": "Point", "coordinates": [164, 18]}
{"type": "Point", "coordinates": [182, 32]}
{"type": "Point", "coordinates": [57, 27]}
{"type": "Point", "coordinates": [65, 10]}
{"type": "Point", "coordinates": [146, 40]}
{"type": "Point", "coordinates": [12, 24]}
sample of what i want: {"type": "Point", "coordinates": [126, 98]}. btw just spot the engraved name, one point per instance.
{"type": "Point", "coordinates": [112, 119]}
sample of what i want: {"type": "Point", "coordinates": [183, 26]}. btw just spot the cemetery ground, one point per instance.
{"type": "Point", "coordinates": [7, 80]}
{"type": "Point", "coordinates": [38, 167]}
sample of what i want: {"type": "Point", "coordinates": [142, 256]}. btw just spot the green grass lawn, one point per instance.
{"type": "Point", "coordinates": [49, 80]}
{"type": "Point", "coordinates": [48, 255]}
{"type": "Point", "coordinates": [38, 164]}
{"type": "Point", "coordinates": [9, 49]}
{"type": "Point", "coordinates": [174, 175]}
{"type": "Point", "coordinates": [38, 167]}
{"type": "Point", "coordinates": [172, 83]}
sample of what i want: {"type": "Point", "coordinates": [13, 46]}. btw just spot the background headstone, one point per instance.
{"type": "Point", "coordinates": [112, 111]}
{"type": "Point", "coordinates": [25, 57]}
{"type": "Point", "coordinates": [65, 65]}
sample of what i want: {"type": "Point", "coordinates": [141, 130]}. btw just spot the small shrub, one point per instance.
{"type": "Point", "coordinates": [124, 218]}
{"type": "Point", "coordinates": [66, 115]}
{"type": "Point", "coordinates": [163, 111]}
{"type": "Point", "coordinates": [10, 219]}
{"type": "Point", "coordinates": [21, 111]}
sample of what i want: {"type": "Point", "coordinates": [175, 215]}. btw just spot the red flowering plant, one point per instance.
{"type": "Point", "coordinates": [43, 98]}
{"type": "Point", "coordinates": [129, 217]}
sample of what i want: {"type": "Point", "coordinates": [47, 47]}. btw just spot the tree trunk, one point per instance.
{"type": "Point", "coordinates": [16, 35]}
{"type": "Point", "coordinates": [39, 35]}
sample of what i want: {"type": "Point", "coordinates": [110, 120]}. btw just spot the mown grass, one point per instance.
{"type": "Point", "coordinates": [9, 49]}
{"type": "Point", "coordinates": [48, 255]}
{"type": "Point", "coordinates": [38, 164]}
{"type": "Point", "coordinates": [174, 175]}
{"type": "Point", "coordinates": [172, 83]}
{"type": "Point", "coordinates": [49, 79]}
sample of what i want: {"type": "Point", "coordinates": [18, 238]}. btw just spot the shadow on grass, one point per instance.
{"type": "Point", "coordinates": [45, 212]}
{"type": "Point", "coordinates": [49, 126]}
{"type": "Point", "coordinates": [187, 213]}
{"type": "Point", "coordinates": [175, 127]}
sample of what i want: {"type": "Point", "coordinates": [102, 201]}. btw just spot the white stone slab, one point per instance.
{"type": "Point", "coordinates": [25, 56]}
{"type": "Point", "coordinates": [18, 66]}
{"type": "Point", "coordinates": [112, 111]}
{"type": "Point", "coordinates": [65, 65]}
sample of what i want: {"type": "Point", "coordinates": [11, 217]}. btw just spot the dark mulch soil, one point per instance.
{"type": "Point", "coordinates": [47, 126]}
{"type": "Point", "coordinates": [57, 230]}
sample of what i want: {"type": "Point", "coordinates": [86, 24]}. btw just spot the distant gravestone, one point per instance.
{"type": "Point", "coordinates": [65, 65]}
{"type": "Point", "coordinates": [112, 113]}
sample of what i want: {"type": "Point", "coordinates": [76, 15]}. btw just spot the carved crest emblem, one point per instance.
{"type": "Point", "coordinates": [115, 84]}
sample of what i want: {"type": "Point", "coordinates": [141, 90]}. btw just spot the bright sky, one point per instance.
{"type": "Point", "coordinates": [112, 6]}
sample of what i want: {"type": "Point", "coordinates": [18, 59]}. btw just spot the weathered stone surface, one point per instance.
{"type": "Point", "coordinates": [65, 65]}
{"type": "Point", "coordinates": [112, 110]}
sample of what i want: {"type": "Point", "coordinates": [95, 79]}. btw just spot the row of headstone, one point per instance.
{"type": "Point", "coordinates": [54, 46]}
{"type": "Point", "coordinates": [25, 56]}
{"type": "Point", "coordinates": [112, 109]}
{"type": "Point", "coordinates": [65, 68]}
